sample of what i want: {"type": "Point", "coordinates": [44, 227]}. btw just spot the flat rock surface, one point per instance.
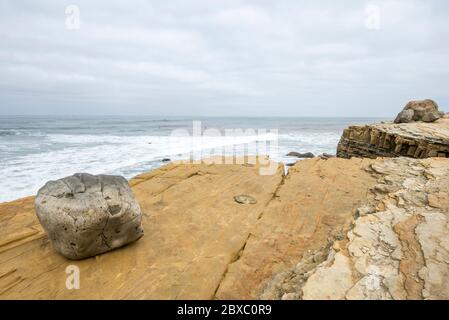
{"type": "Point", "coordinates": [314, 205]}
{"type": "Point", "coordinates": [330, 229]}
{"type": "Point", "coordinates": [193, 229]}
{"type": "Point", "coordinates": [437, 131]}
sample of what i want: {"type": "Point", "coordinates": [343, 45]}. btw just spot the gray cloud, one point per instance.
{"type": "Point", "coordinates": [267, 58]}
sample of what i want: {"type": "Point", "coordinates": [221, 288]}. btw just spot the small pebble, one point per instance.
{"type": "Point", "coordinates": [245, 199]}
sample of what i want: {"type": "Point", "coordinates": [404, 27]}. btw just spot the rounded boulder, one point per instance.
{"type": "Point", "coordinates": [85, 215]}
{"type": "Point", "coordinates": [420, 110]}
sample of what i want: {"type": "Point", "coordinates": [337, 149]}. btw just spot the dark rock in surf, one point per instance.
{"type": "Point", "coordinates": [301, 155]}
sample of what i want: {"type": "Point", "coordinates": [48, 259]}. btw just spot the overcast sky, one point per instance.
{"type": "Point", "coordinates": [222, 57]}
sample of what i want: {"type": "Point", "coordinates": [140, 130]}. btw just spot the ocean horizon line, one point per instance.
{"type": "Point", "coordinates": [187, 116]}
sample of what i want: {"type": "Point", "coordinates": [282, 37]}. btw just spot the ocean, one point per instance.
{"type": "Point", "coordinates": [35, 149]}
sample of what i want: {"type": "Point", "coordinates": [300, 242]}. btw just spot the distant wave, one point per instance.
{"type": "Point", "coordinates": [52, 151]}
{"type": "Point", "coordinates": [15, 132]}
{"type": "Point", "coordinates": [5, 133]}
{"type": "Point", "coordinates": [210, 141]}
{"type": "Point", "coordinates": [314, 138]}
{"type": "Point", "coordinates": [90, 138]}
{"type": "Point", "coordinates": [110, 154]}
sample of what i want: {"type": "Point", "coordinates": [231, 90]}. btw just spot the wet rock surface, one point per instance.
{"type": "Point", "coordinates": [299, 155]}
{"type": "Point", "coordinates": [86, 215]}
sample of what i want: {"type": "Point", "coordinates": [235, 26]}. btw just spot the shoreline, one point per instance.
{"type": "Point", "coordinates": [332, 228]}
{"type": "Point", "coordinates": [136, 147]}
{"type": "Point", "coordinates": [225, 160]}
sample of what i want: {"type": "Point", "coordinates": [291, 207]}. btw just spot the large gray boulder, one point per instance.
{"type": "Point", "coordinates": [405, 116]}
{"type": "Point", "coordinates": [85, 215]}
{"type": "Point", "coordinates": [420, 110]}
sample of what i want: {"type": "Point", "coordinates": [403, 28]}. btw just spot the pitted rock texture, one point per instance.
{"type": "Point", "coordinates": [398, 247]}
{"type": "Point", "coordinates": [86, 215]}
{"type": "Point", "coordinates": [415, 140]}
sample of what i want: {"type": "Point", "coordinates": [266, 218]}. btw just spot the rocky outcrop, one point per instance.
{"type": "Point", "coordinates": [398, 247]}
{"type": "Point", "coordinates": [85, 215]}
{"type": "Point", "coordinates": [416, 140]}
{"type": "Point", "coordinates": [422, 110]}
{"type": "Point", "coordinates": [333, 229]}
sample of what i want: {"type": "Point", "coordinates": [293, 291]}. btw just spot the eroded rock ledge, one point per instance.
{"type": "Point", "coordinates": [416, 140]}
{"type": "Point", "coordinates": [398, 247]}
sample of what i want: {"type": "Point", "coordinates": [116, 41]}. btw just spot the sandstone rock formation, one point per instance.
{"type": "Point", "coordinates": [425, 110]}
{"type": "Point", "coordinates": [85, 215]}
{"type": "Point", "coordinates": [313, 206]}
{"type": "Point", "coordinates": [416, 140]}
{"type": "Point", "coordinates": [336, 229]}
{"type": "Point", "coordinates": [194, 230]}
{"type": "Point", "coordinates": [398, 247]}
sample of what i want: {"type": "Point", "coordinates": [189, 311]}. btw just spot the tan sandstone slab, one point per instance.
{"type": "Point", "coordinates": [315, 204]}
{"type": "Point", "coordinates": [193, 229]}
{"type": "Point", "coordinates": [330, 229]}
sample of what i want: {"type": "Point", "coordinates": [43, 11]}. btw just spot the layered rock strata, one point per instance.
{"type": "Point", "coordinates": [415, 140]}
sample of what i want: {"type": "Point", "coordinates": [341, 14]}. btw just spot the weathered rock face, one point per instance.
{"type": "Point", "coordinates": [416, 140]}
{"type": "Point", "coordinates": [85, 215]}
{"type": "Point", "coordinates": [398, 247]}
{"type": "Point", "coordinates": [424, 110]}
